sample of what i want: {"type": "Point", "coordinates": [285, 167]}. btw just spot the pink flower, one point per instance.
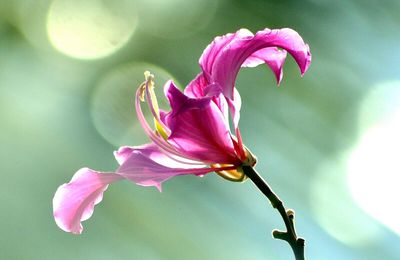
{"type": "Point", "coordinates": [194, 137]}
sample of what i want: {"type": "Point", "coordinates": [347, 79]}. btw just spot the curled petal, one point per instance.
{"type": "Point", "coordinates": [223, 58]}
{"type": "Point", "coordinates": [74, 202]}
{"type": "Point", "coordinates": [288, 40]}
{"type": "Point", "coordinates": [215, 48]}
{"type": "Point", "coordinates": [272, 56]}
{"type": "Point", "coordinates": [199, 129]}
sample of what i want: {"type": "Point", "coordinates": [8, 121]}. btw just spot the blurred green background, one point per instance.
{"type": "Point", "coordinates": [327, 143]}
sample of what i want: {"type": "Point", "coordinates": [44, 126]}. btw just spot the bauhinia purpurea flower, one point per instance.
{"type": "Point", "coordinates": [194, 137]}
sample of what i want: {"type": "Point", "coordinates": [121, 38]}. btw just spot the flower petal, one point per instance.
{"type": "Point", "coordinates": [223, 58]}
{"type": "Point", "coordinates": [74, 202]}
{"type": "Point", "coordinates": [145, 165]}
{"type": "Point", "coordinates": [199, 129]}
{"type": "Point", "coordinates": [272, 56]}
{"type": "Point", "coordinates": [149, 166]}
{"type": "Point", "coordinates": [195, 89]}
{"type": "Point", "coordinates": [214, 49]}
{"type": "Point", "coordinates": [123, 154]}
{"type": "Point", "coordinates": [289, 40]}
{"type": "Point", "coordinates": [199, 87]}
{"type": "Point", "coordinates": [234, 106]}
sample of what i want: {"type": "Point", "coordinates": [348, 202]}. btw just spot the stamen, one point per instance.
{"type": "Point", "coordinates": [160, 142]}
{"type": "Point", "coordinates": [151, 98]}
{"type": "Point", "coordinates": [183, 160]}
{"type": "Point", "coordinates": [141, 90]}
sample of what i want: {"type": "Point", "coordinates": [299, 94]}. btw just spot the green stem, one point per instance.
{"type": "Point", "coordinates": [296, 243]}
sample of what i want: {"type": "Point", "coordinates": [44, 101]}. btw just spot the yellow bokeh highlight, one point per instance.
{"type": "Point", "coordinates": [90, 29]}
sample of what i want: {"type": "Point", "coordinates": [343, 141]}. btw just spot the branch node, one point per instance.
{"type": "Point", "coordinates": [297, 244]}
{"type": "Point", "coordinates": [278, 234]}
{"type": "Point", "coordinates": [290, 213]}
{"type": "Point", "coordinates": [301, 241]}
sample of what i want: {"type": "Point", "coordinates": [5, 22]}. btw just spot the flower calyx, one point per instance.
{"type": "Point", "coordinates": [237, 175]}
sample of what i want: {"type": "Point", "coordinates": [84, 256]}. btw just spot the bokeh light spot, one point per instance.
{"type": "Point", "coordinates": [113, 109]}
{"type": "Point", "coordinates": [373, 167]}
{"type": "Point", "coordinates": [90, 29]}
{"type": "Point", "coordinates": [335, 210]}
